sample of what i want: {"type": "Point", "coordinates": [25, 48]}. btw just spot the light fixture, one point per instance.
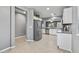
{"type": "Point", "coordinates": [24, 12]}
{"type": "Point", "coordinates": [47, 8]}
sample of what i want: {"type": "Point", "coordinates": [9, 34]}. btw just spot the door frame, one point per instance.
{"type": "Point", "coordinates": [12, 41]}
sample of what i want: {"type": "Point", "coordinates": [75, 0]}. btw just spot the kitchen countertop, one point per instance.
{"type": "Point", "coordinates": [57, 32]}
{"type": "Point", "coordinates": [65, 32]}
{"type": "Point", "coordinates": [48, 28]}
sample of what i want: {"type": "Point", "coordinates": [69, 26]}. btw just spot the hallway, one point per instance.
{"type": "Point", "coordinates": [46, 45]}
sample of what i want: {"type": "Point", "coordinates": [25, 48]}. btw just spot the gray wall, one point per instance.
{"type": "Point", "coordinates": [4, 27]}
{"type": "Point", "coordinates": [30, 14]}
{"type": "Point", "coordinates": [20, 28]}
{"type": "Point", "coordinates": [75, 30]}
{"type": "Point", "coordinates": [29, 21]}
{"type": "Point", "coordinates": [29, 24]}
{"type": "Point", "coordinates": [12, 26]}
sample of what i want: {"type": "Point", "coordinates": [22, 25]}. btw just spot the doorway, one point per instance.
{"type": "Point", "coordinates": [20, 25]}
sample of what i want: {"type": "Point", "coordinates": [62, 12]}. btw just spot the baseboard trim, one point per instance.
{"type": "Point", "coordinates": [65, 49]}
{"type": "Point", "coordinates": [12, 47]}
{"type": "Point", "coordinates": [30, 40]}
{"type": "Point", "coordinates": [19, 37]}
{"type": "Point", "coordinates": [5, 49]}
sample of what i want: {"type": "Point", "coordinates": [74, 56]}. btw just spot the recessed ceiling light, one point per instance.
{"type": "Point", "coordinates": [47, 8]}
{"type": "Point", "coordinates": [24, 12]}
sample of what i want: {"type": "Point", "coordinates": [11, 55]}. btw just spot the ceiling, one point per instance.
{"type": "Point", "coordinates": [44, 13]}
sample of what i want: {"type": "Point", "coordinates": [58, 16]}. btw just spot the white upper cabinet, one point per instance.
{"type": "Point", "coordinates": [67, 16]}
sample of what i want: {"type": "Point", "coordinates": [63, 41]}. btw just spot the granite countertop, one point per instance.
{"type": "Point", "coordinates": [65, 32]}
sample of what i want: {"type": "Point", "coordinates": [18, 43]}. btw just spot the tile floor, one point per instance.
{"type": "Point", "coordinates": [47, 44]}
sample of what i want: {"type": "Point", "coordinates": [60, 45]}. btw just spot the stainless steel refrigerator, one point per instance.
{"type": "Point", "coordinates": [37, 30]}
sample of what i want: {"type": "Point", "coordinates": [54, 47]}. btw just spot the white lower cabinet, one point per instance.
{"type": "Point", "coordinates": [64, 41]}
{"type": "Point", "coordinates": [43, 30]}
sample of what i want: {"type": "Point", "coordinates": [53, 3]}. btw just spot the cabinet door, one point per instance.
{"type": "Point", "coordinates": [66, 42]}
{"type": "Point", "coordinates": [43, 30]}
{"type": "Point", "coordinates": [4, 27]}
{"type": "Point", "coordinates": [67, 15]}
{"type": "Point", "coordinates": [59, 40]}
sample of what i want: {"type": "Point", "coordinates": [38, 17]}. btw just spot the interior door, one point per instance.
{"type": "Point", "coordinates": [4, 27]}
